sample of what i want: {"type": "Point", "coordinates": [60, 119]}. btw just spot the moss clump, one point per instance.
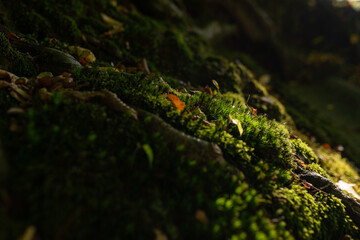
{"type": "Point", "coordinates": [304, 151]}
{"type": "Point", "coordinates": [314, 167]}
{"type": "Point", "coordinates": [337, 166]}
{"type": "Point", "coordinates": [317, 216]}
{"type": "Point", "coordinates": [14, 61]}
{"type": "Point", "coordinates": [95, 186]}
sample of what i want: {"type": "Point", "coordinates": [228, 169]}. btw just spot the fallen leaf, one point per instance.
{"type": "Point", "coordinates": [159, 234]}
{"type": "Point", "coordinates": [109, 68]}
{"type": "Point", "coordinates": [237, 123]}
{"type": "Point", "coordinates": [29, 233]}
{"type": "Point", "coordinates": [112, 32]}
{"type": "Point", "coordinates": [300, 162]}
{"type": "Point", "coordinates": [348, 187]}
{"type": "Point", "coordinates": [293, 136]}
{"type": "Point", "coordinates": [53, 40]}
{"type": "Point", "coordinates": [144, 66]}
{"type": "Point", "coordinates": [254, 111]}
{"type": "Point", "coordinates": [84, 53]}
{"type": "Point", "coordinates": [66, 74]}
{"type": "Point", "coordinates": [110, 21]}
{"type": "Point", "coordinates": [216, 85]}
{"type": "Point", "coordinates": [12, 36]}
{"type": "Point", "coordinates": [82, 61]}
{"type": "Point", "coordinates": [326, 146]}
{"type": "Point", "coordinates": [200, 215]}
{"type": "Point", "coordinates": [176, 102]}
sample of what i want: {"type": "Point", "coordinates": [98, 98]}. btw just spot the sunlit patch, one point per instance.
{"type": "Point", "coordinates": [347, 3]}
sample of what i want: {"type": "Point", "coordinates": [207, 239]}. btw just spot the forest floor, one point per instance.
{"type": "Point", "coordinates": [116, 124]}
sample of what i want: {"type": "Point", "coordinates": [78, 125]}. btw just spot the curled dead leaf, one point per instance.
{"type": "Point", "coordinates": [175, 100]}
{"type": "Point", "coordinates": [83, 53]}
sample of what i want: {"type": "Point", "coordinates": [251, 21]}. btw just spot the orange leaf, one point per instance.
{"type": "Point", "coordinates": [300, 162]}
{"type": "Point", "coordinates": [326, 145]}
{"type": "Point", "coordinates": [254, 111]}
{"type": "Point", "coordinates": [82, 61]}
{"type": "Point", "coordinates": [12, 36]}
{"type": "Point", "coordinates": [176, 102]}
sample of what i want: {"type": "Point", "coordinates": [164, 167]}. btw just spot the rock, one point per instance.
{"type": "Point", "coordinates": [48, 59]}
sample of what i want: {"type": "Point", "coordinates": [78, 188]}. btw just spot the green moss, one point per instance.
{"type": "Point", "coordinates": [314, 167]}
{"type": "Point", "coordinates": [314, 217]}
{"type": "Point", "coordinates": [34, 23]}
{"type": "Point", "coordinates": [67, 22]}
{"type": "Point", "coordinates": [14, 61]}
{"type": "Point", "coordinates": [103, 169]}
{"type": "Point", "coordinates": [95, 184]}
{"type": "Point", "coordinates": [303, 150]}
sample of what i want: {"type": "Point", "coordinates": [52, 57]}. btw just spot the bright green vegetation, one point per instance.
{"type": "Point", "coordinates": [82, 170]}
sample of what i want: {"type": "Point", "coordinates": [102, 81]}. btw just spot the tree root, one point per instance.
{"type": "Point", "coordinates": [326, 185]}
{"type": "Point", "coordinates": [195, 148]}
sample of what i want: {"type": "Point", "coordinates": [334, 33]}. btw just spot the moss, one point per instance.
{"type": "Point", "coordinates": [115, 177]}
{"type": "Point", "coordinates": [317, 217]}
{"type": "Point", "coordinates": [73, 32]}
{"type": "Point", "coordinates": [303, 150]}
{"type": "Point", "coordinates": [38, 24]}
{"type": "Point", "coordinates": [314, 167]}
{"type": "Point", "coordinates": [96, 187]}
{"type": "Point", "coordinates": [14, 61]}
{"type": "Point", "coordinates": [235, 99]}
{"type": "Point", "coordinates": [337, 166]}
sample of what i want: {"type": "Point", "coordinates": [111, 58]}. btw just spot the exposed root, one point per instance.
{"type": "Point", "coordinates": [327, 186]}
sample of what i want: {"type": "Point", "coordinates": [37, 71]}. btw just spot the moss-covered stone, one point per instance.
{"type": "Point", "coordinates": [13, 60]}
